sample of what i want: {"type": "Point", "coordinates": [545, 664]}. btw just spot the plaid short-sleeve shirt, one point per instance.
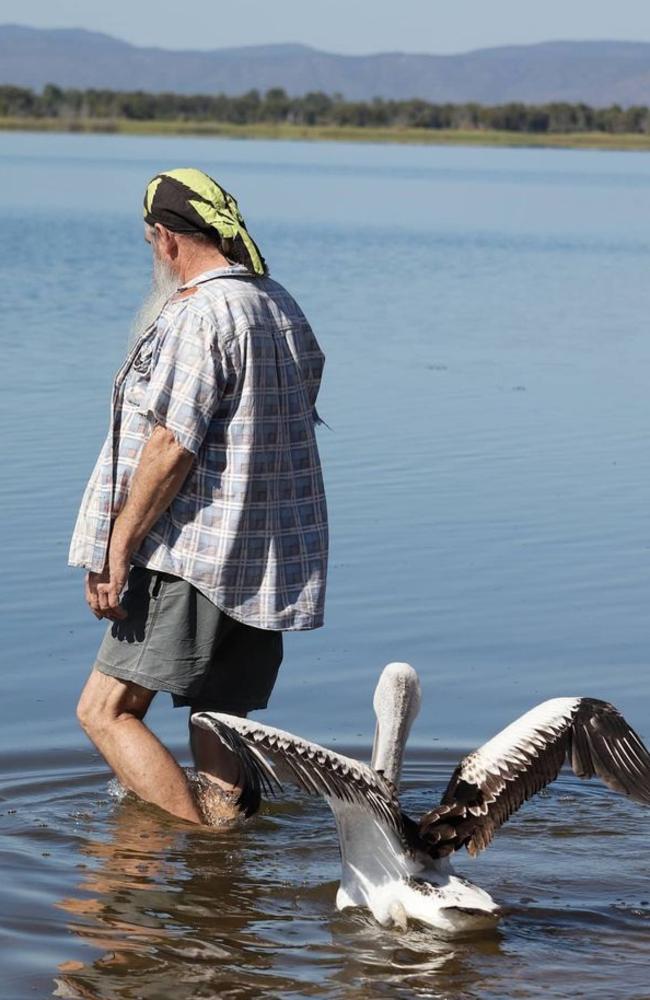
{"type": "Point", "coordinates": [233, 370]}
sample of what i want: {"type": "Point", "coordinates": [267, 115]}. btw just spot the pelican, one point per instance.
{"type": "Point", "coordinates": [397, 867]}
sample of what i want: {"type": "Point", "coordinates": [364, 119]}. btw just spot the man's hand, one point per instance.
{"type": "Point", "coordinates": [103, 590]}
{"type": "Point", "coordinates": [163, 467]}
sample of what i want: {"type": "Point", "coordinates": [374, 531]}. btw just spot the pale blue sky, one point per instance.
{"type": "Point", "coordinates": [350, 26]}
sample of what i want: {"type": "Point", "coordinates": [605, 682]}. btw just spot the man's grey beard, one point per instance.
{"type": "Point", "coordinates": [164, 284]}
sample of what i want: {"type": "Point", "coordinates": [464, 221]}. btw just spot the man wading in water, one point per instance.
{"type": "Point", "coordinates": [206, 502]}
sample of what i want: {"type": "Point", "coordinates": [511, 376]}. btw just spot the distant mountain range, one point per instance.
{"type": "Point", "coordinates": [598, 73]}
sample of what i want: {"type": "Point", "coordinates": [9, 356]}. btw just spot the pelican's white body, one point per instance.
{"type": "Point", "coordinates": [377, 871]}
{"type": "Point", "coordinates": [396, 886]}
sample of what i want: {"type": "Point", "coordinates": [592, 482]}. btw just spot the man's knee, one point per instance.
{"type": "Point", "coordinates": [106, 700]}
{"type": "Point", "coordinates": [85, 713]}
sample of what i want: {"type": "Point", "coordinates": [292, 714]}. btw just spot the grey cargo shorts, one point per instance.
{"type": "Point", "coordinates": [175, 639]}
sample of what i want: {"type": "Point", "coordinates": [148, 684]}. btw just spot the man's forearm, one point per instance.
{"type": "Point", "coordinates": [161, 471]}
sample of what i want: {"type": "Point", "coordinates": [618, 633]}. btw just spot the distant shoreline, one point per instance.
{"type": "Point", "coordinates": [333, 133]}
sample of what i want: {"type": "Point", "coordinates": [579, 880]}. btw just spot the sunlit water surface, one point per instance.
{"type": "Point", "coordinates": [484, 315]}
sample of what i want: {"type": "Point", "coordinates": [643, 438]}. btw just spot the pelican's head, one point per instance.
{"type": "Point", "coordinates": [396, 704]}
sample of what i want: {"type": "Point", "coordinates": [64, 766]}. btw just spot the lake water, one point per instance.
{"type": "Point", "coordinates": [485, 319]}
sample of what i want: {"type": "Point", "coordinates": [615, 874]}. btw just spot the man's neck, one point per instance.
{"type": "Point", "coordinates": [199, 263]}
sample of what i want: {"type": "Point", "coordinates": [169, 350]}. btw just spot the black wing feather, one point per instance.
{"type": "Point", "coordinates": [256, 778]}
{"type": "Point", "coordinates": [603, 743]}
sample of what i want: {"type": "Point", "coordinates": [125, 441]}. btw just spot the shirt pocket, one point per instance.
{"type": "Point", "coordinates": [138, 377]}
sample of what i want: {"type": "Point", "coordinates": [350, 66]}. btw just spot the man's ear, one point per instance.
{"type": "Point", "coordinates": [166, 242]}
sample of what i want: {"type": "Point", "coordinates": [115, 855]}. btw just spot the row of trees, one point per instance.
{"type": "Point", "coordinates": [277, 107]}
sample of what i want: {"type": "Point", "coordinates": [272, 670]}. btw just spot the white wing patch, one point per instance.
{"type": "Point", "coordinates": [530, 732]}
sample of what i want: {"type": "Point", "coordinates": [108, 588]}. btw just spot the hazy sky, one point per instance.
{"type": "Point", "coordinates": [342, 25]}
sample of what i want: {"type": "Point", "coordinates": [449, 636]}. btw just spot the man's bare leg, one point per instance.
{"type": "Point", "coordinates": [213, 760]}
{"type": "Point", "coordinates": [220, 771]}
{"type": "Point", "coordinates": [111, 712]}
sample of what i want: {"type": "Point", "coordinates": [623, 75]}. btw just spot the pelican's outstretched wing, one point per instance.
{"type": "Point", "coordinates": [269, 756]}
{"type": "Point", "coordinates": [494, 781]}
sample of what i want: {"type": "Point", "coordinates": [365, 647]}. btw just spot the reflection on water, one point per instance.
{"type": "Point", "coordinates": [141, 906]}
{"type": "Point", "coordinates": [234, 915]}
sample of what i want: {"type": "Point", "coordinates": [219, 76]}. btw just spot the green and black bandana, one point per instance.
{"type": "Point", "coordinates": [188, 201]}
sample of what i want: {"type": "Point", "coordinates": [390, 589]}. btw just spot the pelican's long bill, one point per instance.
{"type": "Point", "coordinates": [396, 703]}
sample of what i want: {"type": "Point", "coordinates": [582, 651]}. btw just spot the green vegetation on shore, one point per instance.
{"type": "Point", "coordinates": [458, 137]}
{"type": "Point", "coordinates": [317, 116]}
